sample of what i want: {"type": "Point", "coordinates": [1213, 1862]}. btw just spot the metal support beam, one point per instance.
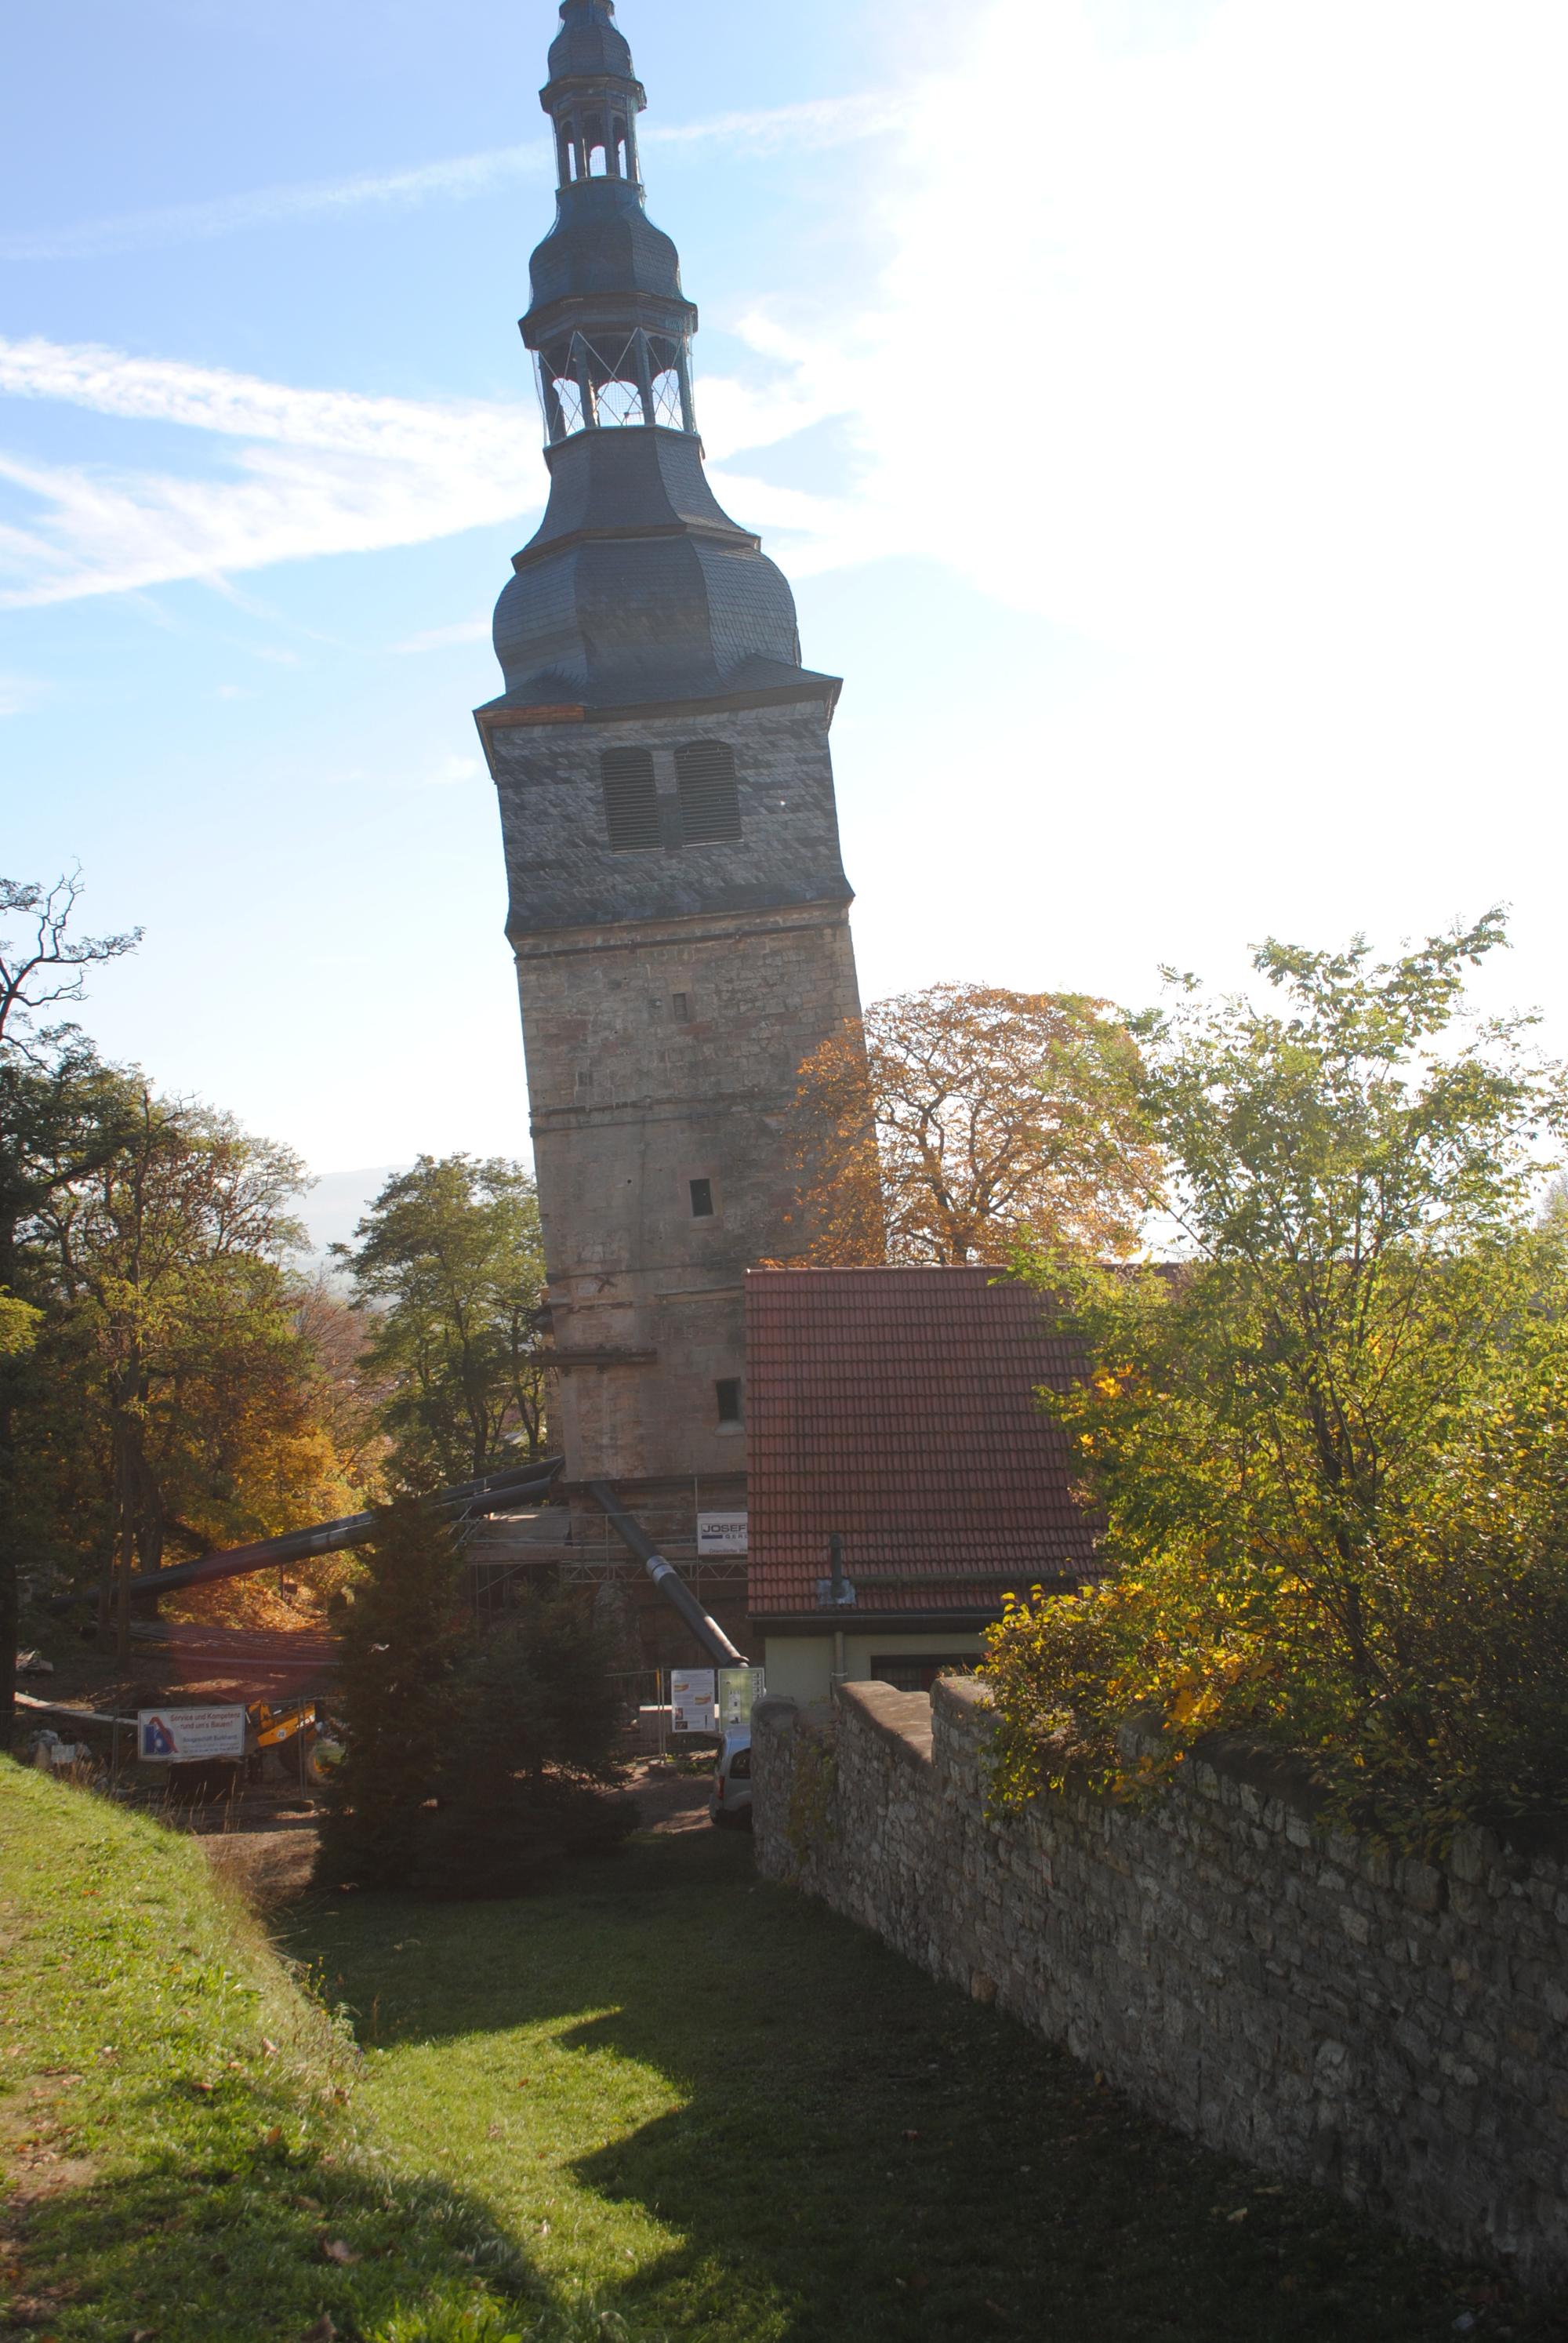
{"type": "Point", "coordinates": [495, 1494]}
{"type": "Point", "coordinates": [667, 1578]}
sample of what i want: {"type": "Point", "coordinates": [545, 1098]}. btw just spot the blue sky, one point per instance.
{"type": "Point", "coordinates": [1157, 404]}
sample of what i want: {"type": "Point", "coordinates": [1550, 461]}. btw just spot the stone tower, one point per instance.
{"type": "Point", "coordinates": [678, 908]}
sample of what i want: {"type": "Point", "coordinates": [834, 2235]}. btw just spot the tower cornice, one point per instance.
{"type": "Point", "coordinates": [501, 715]}
{"type": "Point", "coordinates": [582, 83]}
{"type": "Point", "coordinates": [725, 534]}
{"type": "Point", "coordinates": [623, 310]}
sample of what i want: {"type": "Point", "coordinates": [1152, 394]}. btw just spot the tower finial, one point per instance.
{"type": "Point", "coordinates": [593, 94]}
{"type": "Point", "coordinates": [609, 324]}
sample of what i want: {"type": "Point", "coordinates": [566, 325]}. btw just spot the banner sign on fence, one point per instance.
{"type": "Point", "coordinates": [691, 1700]}
{"type": "Point", "coordinates": [720, 1533]}
{"type": "Point", "coordinates": [171, 1734]}
{"type": "Point", "coordinates": [737, 1688]}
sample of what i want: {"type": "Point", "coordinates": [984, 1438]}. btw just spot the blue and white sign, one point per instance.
{"type": "Point", "coordinates": [164, 1735]}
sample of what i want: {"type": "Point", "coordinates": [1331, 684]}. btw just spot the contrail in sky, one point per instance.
{"type": "Point", "coordinates": [816, 123]}
{"type": "Point", "coordinates": [462, 175]}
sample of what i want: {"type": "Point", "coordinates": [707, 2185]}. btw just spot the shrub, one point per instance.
{"type": "Point", "coordinates": [1330, 1446]}
{"type": "Point", "coordinates": [470, 1767]}
{"type": "Point", "coordinates": [531, 1755]}
{"type": "Point", "coordinates": [404, 1638]}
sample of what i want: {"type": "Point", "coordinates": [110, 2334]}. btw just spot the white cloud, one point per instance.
{"type": "Point", "coordinates": [736, 415]}
{"type": "Point", "coordinates": [1255, 342]}
{"type": "Point", "coordinates": [316, 471]}
{"type": "Point", "coordinates": [813, 122]}
{"type": "Point", "coordinates": [452, 770]}
{"type": "Point", "coordinates": [460, 176]}
{"type": "Point", "coordinates": [1254, 377]}
{"type": "Point", "coordinates": [439, 638]}
{"type": "Point", "coordinates": [1235, 361]}
{"type": "Point", "coordinates": [826, 522]}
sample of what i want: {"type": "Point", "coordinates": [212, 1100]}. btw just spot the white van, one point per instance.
{"type": "Point", "coordinates": [729, 1801]}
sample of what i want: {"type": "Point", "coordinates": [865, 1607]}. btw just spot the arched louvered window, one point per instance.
{"type": "Point", "coordinates": [631, 799]}
{"type": "Point", "coordinates": [710, 803]}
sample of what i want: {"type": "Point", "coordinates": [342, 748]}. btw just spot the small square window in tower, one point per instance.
{"type": "Point", "coordinates": [728, 1394]}
{"type": "Point", "coordinates": [702, 1198]}
{"type": "Point", "coordinates": [709, 801]}
{"type": "Point", "coordinates": [631, 799]}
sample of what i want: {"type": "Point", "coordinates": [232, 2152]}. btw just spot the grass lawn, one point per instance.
{"type": "Point", "coordinates": [180, 2156]}
{"type": "Point", "coordinates": [659, 2101]}
{"type": "Point", "coordinates": [735, 2118]}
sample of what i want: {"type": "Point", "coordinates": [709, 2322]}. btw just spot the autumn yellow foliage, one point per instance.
{"type": "Point", "coordinates": [964, 1118]}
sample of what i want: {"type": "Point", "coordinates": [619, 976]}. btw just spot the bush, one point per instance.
{"type": "Point", "coordinates": [532, 1756]}
{"type": "Point", "coordinates": [404, 1639]}
{"type": "Point", "coordinates": [471, 1768]}
{"type": "Point", "coordinates": [1330, 1447]}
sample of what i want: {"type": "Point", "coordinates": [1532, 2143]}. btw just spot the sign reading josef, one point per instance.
{"type": "Point", "coordinates": [171, 1734]}
{"type": "Point", "coordinates": [721, 1533]}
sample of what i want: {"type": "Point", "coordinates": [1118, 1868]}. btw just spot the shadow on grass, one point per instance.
{"type": "Point", "coordinates": [264, 2244]}
{"type": "Point", "coordinates": [861, 2152]}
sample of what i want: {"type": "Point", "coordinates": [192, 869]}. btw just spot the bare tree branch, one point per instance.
{"type": "Point", "coordinates": [50, 966]}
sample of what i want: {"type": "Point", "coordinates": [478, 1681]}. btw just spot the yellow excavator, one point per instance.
{"type": "Point", "coordinates": [269, 1728]}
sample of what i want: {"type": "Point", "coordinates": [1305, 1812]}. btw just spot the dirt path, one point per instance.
{"type": "Point", "coordinates": [271, 1862]}
{"type": "Point", "coordinates": [267, 1847]}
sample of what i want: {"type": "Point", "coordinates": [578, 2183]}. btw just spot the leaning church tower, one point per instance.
{"type": "Point", "coordinates": [678, 908]}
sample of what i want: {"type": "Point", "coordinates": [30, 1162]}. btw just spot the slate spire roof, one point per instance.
{"type": "Point", "coordinates": [639, 588]}
{"type": "Point", "coordinates": [588, 42]}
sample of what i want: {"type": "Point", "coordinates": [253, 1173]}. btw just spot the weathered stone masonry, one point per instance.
{"type": "Point", "coordinates": [1386, 2028]}
{"type": "Point", "coordinates": [677, 902]}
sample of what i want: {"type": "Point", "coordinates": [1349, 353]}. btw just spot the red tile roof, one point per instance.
{"type": "Point", "coordinates": [897, 1406]}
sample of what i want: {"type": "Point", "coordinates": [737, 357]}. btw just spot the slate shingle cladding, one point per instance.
{"type": "Point", "coordinates": [589, 43]}
{"type": "Point", "coordinates": [639, 587]}
{"type": "Point", "coordinates": [604, 242]}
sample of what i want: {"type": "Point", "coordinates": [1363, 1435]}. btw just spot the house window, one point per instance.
{"type": "Point", "coordinates": [682, 1009]}
{"type": "Point", "coordinates": [710, 802]}
{"type": "Point", "coordinates": [728, 1391]}
{"type": "Point", "coordinates": [701, 1200]}
{"type": "Point", "coordinates": [631, 799]}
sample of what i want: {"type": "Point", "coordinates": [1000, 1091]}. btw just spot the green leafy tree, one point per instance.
{"type": "Point", "coordinates": [470, 1767]}
{"type": "Point", "coordinates": [169, 1267]}
{"type": "Point", "coordinates": [448, 1265]}
{"type": "Point", "coordinates": [401, 1644]}
{"type": "Point", "coordinates": [60, 1116]}
{"type": "Point", "coordinates": [1328, 1444]}
{"type": "Point", "coordinates": [532, 1753]}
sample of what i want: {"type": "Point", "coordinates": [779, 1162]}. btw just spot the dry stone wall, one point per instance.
{"type": "Point", "coordinates": [1381, 2025]}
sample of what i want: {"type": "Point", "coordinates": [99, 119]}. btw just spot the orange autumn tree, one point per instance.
{"type": "Point", "coordinates": [968, 1121]}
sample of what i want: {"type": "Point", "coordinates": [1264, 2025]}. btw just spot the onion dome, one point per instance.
{"type": "Point", "coordinates": [588, 43]}
{"type": "Point", "coordinates": [639, 588]}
